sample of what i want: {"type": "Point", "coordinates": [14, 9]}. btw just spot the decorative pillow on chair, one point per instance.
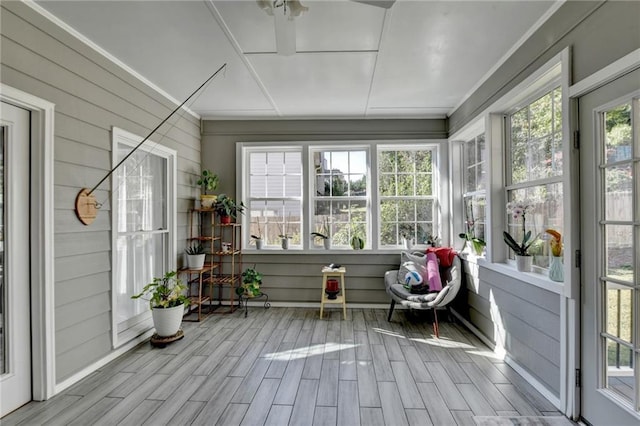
{"type": "Point", "coordinates": [433, 273]}
{"type": "Point", "coordinates": [411, 263]}
{"type": "Point", "coordinates": [445, 255]}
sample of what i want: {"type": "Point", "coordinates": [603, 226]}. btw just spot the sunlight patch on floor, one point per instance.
{"type": "Point", "coordinates": [443, 342]}
{"type": "Point", "coordinates": [308, 351]}
{"type": "Point", "coordinates": [388, 333]}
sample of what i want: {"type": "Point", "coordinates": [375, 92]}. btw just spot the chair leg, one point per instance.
{"type": "Point", "coordinates": [435, 324]}
{"type": "Point", "coordinates": [393, 304]}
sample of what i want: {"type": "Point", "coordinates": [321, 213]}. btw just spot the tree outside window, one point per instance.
{"type": "Point", "coordinates": [407, 202]}
{"type": "Point", "coordinates": [534, 169]}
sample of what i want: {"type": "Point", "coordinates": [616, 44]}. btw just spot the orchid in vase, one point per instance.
{"type": "Point", "coordinates": [477, 244]}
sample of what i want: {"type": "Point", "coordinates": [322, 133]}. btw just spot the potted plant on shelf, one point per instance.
{"type": "Point", "coordinates": [227, 208]}
{"type": "Point", "coordinates": [251, 281]}
{"type": "Point", "coordinates": [195, 255]}
{"type": "Point", "coordinates": [323, 234]}
{"type": "Point", "coordinates": [167, 301]}
{"type": "Point", "coordinates": [209, 182]}
{"type": "Point", "coordinates": [524, 259]}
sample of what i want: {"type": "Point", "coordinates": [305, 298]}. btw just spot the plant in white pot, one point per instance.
{"type": "Point", "coordinates": [195, 256]}
{"type": "Point", "coordinates": [209, 182]}
{"type": "Point", "coordinates": [524, 259]}
{"type": "Point", "coordinates": [167, 301]}
{"type": "Point", "coordinates": [323, 234]}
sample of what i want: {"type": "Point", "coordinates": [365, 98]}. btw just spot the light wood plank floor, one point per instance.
{"type": "Point", "coordinates": [285, 366]}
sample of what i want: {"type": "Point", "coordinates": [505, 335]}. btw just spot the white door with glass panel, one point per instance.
{"type": "Point", "coordinates": [15, 346]}
{"type": "Point", "coordinates": [610, 163]}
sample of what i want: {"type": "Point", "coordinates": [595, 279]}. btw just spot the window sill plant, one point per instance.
{"type": "Point", "coordinates": [167, 301]}
{"type": "Point", "coordinates": [524, 259]}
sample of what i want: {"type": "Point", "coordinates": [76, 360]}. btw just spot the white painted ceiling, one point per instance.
{"type": "Point", "coordinates": [417, 59]}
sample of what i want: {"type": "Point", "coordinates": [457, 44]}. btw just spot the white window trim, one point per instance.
{"type": "Point", "coordinates": [120, 136]}
{"type": "Point", "coordinates": [441, 192]}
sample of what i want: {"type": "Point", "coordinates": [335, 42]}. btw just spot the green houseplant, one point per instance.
{"type": "Point", "coordinates": [227, 208]}
{"type": "Point", "coordinates": [521, 249]}
{"type": "Point", "coordinates": [323, 234]}
{"type": "Point", "coordinates": [167, 301]}
{"type": "Point", "coordinates": [251, 281]}
{"type": "Point", "coordinates": [208, 182]}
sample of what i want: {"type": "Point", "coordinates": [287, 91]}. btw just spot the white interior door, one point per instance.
{"type": "Point", "coordinates": [610, 194]}
{"type": "Point", "coordinates": [15, 336]}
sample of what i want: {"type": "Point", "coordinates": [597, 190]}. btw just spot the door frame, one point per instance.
{"type": "Point", "coordinates": [41, 226]}
{"type": "Point", "coordinates": [611, 72]}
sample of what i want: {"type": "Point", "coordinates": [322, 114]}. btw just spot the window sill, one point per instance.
{"type": "Point", "coordinates": [270, 251]}
{"type": "Point", "coordinates": [509, 269]}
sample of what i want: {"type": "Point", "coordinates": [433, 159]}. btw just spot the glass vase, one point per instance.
{"type": "Point", "coordinates": [556, 269]}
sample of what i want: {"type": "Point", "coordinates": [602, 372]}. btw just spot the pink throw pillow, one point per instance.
{"type": "Point", "coordinates": [433, 273]}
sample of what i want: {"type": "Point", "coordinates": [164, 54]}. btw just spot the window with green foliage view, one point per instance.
{"type": "Point", "coordinates": [534, 170]}
{"type": "Point", "coordinates": [406, 194]}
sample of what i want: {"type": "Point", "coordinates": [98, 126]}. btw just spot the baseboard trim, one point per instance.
{"type": "Point", "coordinates": [537, 385]}
{"type": "Point", "coordinates": [260, 303]}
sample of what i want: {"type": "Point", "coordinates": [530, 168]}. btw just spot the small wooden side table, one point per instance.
{"type": "Point", "coordinates": [342, 297]}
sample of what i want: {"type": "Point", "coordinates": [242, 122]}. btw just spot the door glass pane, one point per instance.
{"type": "Point", "coordinates": [619, 312]}
{"type": "Point", "coordinates": [619, 252]}
{"type": "Point", "coordinates": [618, 189]}
{"type": "Point", "coordinates": [617, 134]}
{"type": "Point", "coordinates": [3, 308]}
{"type": "Point", "coordinates": [620, 369]}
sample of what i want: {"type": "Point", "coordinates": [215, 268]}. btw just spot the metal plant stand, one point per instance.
{"type": "Point", "coordinates": [244, 299]}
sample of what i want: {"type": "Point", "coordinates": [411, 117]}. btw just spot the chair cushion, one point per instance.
{"type": "Point", "coordinates": [415, 301]}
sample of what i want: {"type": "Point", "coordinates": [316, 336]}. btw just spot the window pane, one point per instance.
{"type": "Point", "coordinates": [405, 185]}
{"type": "Point", "coordinates": [387, 161]}
{"type": "Point", "coordinates": [618, 134]}
{"type": "Point", "coordinates": [424, 161]}
{"type": "Point", "coordinates": [619, 252]}
{"type": "Point", "coordinates": [619, 191]}
{"type": "Point", "coordinates": [425, 210]}
{"type": "Point", "coordinates": [358, 185]}
{"type": "Point", "coordinates": [424, 184]}
{"type": "Point", "coordinates": [540, 116]}
{"type": "Point", "coordinates": [358, 162]}
{"type": "Point", "coordinates": [142, 191]}
{"type": "Point", "coordinates": [140, 258]}
{"type": "Point", "coordinates": [544, 211]}
{"type": "Point", "coordinates": [470, 151]}
{"type": "Point", "coordinates": [387, 185]}
{"type": "Point", "coordinates": [275, 185]}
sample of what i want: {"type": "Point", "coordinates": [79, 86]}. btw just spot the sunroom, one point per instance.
{"type": "Point", "coordinates": [402, 123]}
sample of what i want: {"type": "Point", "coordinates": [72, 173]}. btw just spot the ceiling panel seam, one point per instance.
{"type": "Point", "coordinates": [236, 46]}
{"type": "Point", "coordinates": [383, 31]}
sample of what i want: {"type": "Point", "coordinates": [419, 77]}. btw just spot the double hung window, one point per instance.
{"type": "Point", "coordinates": [274, 189]}
{"type": "Point", "coordinates": [474, 186]}
{"type": "Point", "coordinates": [406, 193]}
{"type": "Point", "coordinates": [534, 170]}
{"type": "Point", "coordinates": [143, 221]}
{"type": "Point", "coordinates": [340, 194]}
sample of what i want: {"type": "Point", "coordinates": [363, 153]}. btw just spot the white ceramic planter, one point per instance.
{"type": "Point", "coordinates": [327, 243]}
{"type": "Point", "coordinates": [167, 320]}
{"type": "Point", "coordinates": [195, 261]}
{"type": "Point", "coordinates": [524, 263]}
{"type": "Point", "coordinates": [259, 244]}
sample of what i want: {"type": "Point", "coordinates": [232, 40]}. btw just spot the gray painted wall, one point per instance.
{"type": "Point", "coordinates": [598, 33]}
{"type": "Point", "coordinates": [296, 277]}
{"type": "Point", "coordinates": [91, 95]}
{"type": "Point", "coordinates": [522, 318]}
